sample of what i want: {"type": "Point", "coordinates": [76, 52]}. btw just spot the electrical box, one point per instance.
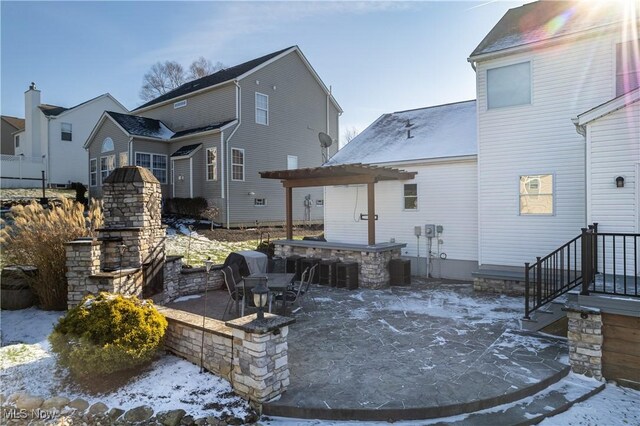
{"type": "Point", "coordinates": [439, 229]}
{"type": "Point", "coordinates": [417, 231]}
{"type": "Point", "coordinates": [430, 231]}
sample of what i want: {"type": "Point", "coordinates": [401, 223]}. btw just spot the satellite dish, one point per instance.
{"type": "Point", "coordinates": [325, 140]}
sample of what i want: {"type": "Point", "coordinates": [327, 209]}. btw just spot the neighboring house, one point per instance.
{"type": "Point", "coordinates": [439, 143]}
{"type": "Point", "coordinates": [543, 65]}
{"type": "Point", "coordinates": [210, 137]}
{"type": "Point", "coordinates": [9, 127]}
{"type": "Point", "coordinates": [57, 135]}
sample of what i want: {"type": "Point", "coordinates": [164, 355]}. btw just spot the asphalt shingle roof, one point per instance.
{"type": "Point", "coordinates": [542, 20]}
{"type": "Point", "coordinates": [142, 126]}
{"type": "Point", "coordinates": [16, 122]}
{"type": "Point", "coordinates": [186, 150]}
{"type": "Point", "coordinates": [211, 126]}
{"type": "Point", "coordinates": [221, 76]}
{"type": "Point", "coordinates": [432, 132]}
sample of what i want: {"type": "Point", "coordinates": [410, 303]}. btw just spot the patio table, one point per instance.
{"type": "Point", "coordinates": [277, 283]}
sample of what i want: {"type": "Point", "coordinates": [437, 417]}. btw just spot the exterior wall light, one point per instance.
{"type": "Point", "coordinates": [620, 182]}
{"type": "Point", "coordinates": [260, 297]}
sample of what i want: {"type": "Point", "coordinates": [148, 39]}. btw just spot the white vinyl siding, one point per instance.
{"type": "Point", "coordinates": [156, 163]}
{"type": "Point", "coordinates": [93, 172]}
{"type": "Point", "coordinates": [292, 162]}
{"type": "Point", "coordinates": [627, 66]}
{"type": "Point", "coordinates": [509, 85]}
{"type": "Point", "coordinates": [212, 163]}
{"type": "Point", "coordinates": [539, 138]}
{"type": "Point", "coordinates": [107, 164]}
{"type": "Point", "coordinates": [536, 194]}
{"type": "Point", "coordinates": [237, 164]}
{"type": "Point", "coordinates": [262, 109]}
{"type": "Point", "coordinates": [66, 133]}
{"type": "Point", "coordinates": [436, 182]}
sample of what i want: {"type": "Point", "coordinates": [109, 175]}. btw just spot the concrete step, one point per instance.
{"type": "Point", "coordinates": [546, 315]}
{"type": "Point", "coordinates": [553, 400]}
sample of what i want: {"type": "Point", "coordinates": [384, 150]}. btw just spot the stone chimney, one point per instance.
{"type": "Point", "coordinates": [32, 146]}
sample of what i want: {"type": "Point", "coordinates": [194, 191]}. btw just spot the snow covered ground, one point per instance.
{"type": "Point", "coordinates": [26, 364]}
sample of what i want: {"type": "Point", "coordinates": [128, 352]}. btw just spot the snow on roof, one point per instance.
{"type": "Point", "coordinates": [142, 126]}
{"type": "Point", "coordinates": [543, 20]}
{"type": "Point", "coordinates": [432, 132]}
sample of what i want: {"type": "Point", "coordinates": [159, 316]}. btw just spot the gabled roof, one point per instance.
{"type": "Point", "coordinates": [54, 110]}
{"type": "Point", "coordinates": [16, 122]}
{"type": "Point", "coordinates": [214, 79]}
{"type": "Point", "coordinates": [195, 130]}
{"type": "Point", "coordinates": [433, 132]}
{"type": "Point", "coordinates": [545, 20]}
{"type": "Point", "coordinates": [607, 107]}
{"type": "Point", "coordinates": [136, 125]}
{"type": "Point", "coordinates": [186, 150]}
{"type": "Point", "coordinates": [234, 73]}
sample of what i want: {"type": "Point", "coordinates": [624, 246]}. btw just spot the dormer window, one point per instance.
{"type": "Point", "coordinates": [509, 85]}
{"type": "Point", "coordinates": [65, 131]}
{"type": "Point", "coordinates": [627, 66]}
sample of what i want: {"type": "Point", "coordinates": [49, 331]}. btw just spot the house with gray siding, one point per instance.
{"type": "Point", "coordinates": [210, 137]}
{"type": "Point", "coordinates": [9, 126]}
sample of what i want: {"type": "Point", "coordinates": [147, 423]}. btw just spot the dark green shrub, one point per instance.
{"type": "Point", "coordinates": [192, 207]}
{"type": "Point", "coordinates": [107, 334]}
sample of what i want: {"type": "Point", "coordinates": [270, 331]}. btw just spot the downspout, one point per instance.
{"type": "Point", "coordinates": [223, 143]}
{"type": "Point", "coordinates": [582, 131]}
{"type": "Point", "coordinates": [191, 177]}
{"type": "Point", "coordinates": [131, 159]}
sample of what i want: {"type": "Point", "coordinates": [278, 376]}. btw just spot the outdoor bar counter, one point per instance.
{"type": "Point", "coordinates": [373, 260]}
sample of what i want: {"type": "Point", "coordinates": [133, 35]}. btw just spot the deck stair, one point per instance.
{"type": "Point", "coordinates": [547, 315]}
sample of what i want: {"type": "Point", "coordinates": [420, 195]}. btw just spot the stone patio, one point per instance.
{"type": "Point", "coordinates": [430, 350]}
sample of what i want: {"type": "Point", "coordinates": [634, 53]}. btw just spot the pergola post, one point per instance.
{"type": "Point", "coordinates": [371, 213]}
{"type": "Point", "coordinates": [289, 213]}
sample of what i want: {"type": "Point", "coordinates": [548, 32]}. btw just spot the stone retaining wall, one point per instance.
{"type": "Point", "coordinates": [498, 285]}
{"type": "Point", "coordinates": [179, 281]}
{"type": "Point", "coordinates": [183, 337]}
{"type": "Point", "coordinates": [585, 341]}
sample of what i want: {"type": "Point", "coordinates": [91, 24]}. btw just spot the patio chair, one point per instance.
{"type": "Point", "coordinates": [300, 290]}
{"type": "Point", "coordinates": [236, 291]}
{"type": "Point", "coordinates": [252, 282]}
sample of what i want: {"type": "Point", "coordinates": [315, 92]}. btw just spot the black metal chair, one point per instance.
{"type": "Point", "coordinates": [300, 289]}
{"type": "Point", "coordinates": [236, 289]}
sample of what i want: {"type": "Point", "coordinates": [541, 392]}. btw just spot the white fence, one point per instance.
{"type": "Point", "coordinates": [18, 171]}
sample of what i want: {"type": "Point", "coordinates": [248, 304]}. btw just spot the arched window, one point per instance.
{"type": "Point", "coordinates": [107, 145]}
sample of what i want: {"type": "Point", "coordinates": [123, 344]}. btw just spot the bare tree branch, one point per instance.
{"type": "Point", "coordinates": [203, 67]}
{"type": "Point", "coordinates": [161, 78]}
{"type": "Point", "coordinates": [349, 134]}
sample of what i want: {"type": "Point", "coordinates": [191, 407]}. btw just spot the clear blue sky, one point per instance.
{"type": "Point", "coordinates": [377, 56]}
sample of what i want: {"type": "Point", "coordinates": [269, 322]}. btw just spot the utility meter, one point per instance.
{"type": "Point", "coordinates": [430, 230]}
{"type": "Point", "coordinates": [417, 231]}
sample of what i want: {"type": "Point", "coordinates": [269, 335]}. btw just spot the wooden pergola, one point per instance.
{"type": "Point", "coordinates": [345, 174]}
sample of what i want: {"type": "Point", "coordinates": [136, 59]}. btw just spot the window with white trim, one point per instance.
{"type": "Point", "coordinates": [17, 141]}
{"type": "Point", "coordinates": [156, 163]}
{"type": "Point", "coordinates": [411, 196]}
{"type": "Point", "coordinates": [212, 163]}
{"type": "Point", "coordinates": [237, 164]}
{"type": "Point", "coordinates": [65, 131]}
{"type": "Point", "coordinates": [107, 145]}
{"type": "Point", "coordinates": [262, 109]}
{"type": "Point", "coordinates": [292, 162]}
{"type": "Point", "coordinates": [627, 66]}
{"type": "Point", "coordinates": [107, 164]}
{"type": "Point", "coordinates": [536, 195]}
{"type": "Point", "coordinates": [509, 85]}
{"type": "Point", "coordinates": [259, 202]}
{"type": "Point", "coordinates": [123, 159]}
{"type": "Point", "coordinates": [93, 172]}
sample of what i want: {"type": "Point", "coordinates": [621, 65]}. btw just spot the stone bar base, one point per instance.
{"type": "Point", "coordinates": [373, 261]}
{"type": "Point", "coordinates": [585, 340]}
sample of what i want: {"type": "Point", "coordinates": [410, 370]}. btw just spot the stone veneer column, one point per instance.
{"type": "Point", "coordinates": [585, 341]}
{"type": "Point", "coordinates": [260, 364]}
{"type": "Point", "coordinates": [83, 260]}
